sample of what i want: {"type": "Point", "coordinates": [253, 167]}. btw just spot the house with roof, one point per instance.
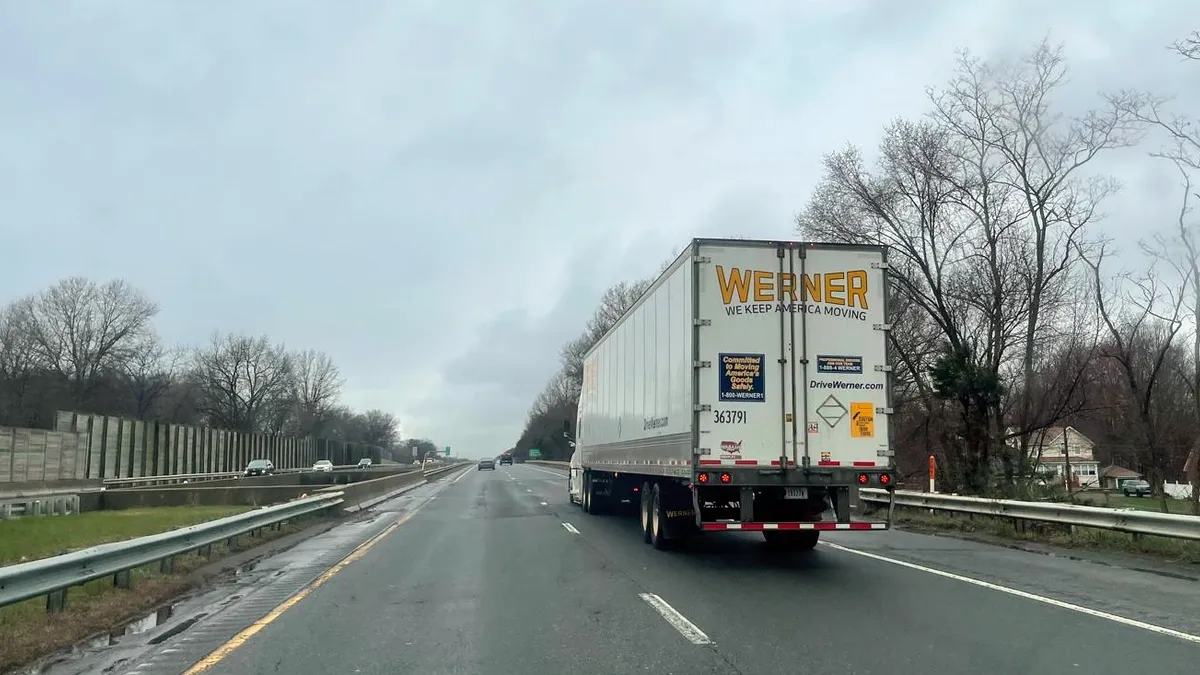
{"type": "Point", "coordinates": [1111, 477]}
{"type": "Point", "coordinates": [1056, 448]}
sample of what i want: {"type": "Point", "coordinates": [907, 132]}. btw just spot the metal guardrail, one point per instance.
{"type": "Point", "coordinates": [52, 577]}
{"type": "Point", "coordinates": [1119, 520]}
{"type": "Point", "coordinates": [549, 462]}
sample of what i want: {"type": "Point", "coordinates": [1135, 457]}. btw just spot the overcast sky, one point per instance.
{"type": "Point", "coordinates": [435, 192]}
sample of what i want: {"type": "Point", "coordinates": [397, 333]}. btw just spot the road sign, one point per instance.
{"type": "Point", "coordinates": [534, 453]}
{"type": "Point", "coordinates": [447, 451]}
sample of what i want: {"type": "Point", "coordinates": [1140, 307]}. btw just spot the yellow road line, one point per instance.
{"type": "Point", "coordinates": [240, 639]}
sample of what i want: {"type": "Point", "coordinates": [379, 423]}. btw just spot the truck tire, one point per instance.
{"type": "Point", "coordinates": [792, 540]}
{"type": "Point", "coordinates": [593, 503]}
{"type": "Point", "coordinates": [645, 505]}
{"type": "Point", "coordinates": [658, 519]}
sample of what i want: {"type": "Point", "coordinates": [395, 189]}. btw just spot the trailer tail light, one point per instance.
{"type": "Point", "coordinates": [863, 479]}
{"type": "Point", "coordinates": [637, 489]}
{"type": "Point", "coordinates": [702, 478]}
{"type": "Point", "coordinates": [726, 478]}
{"type": "Point", "coordinates": [885, 479]}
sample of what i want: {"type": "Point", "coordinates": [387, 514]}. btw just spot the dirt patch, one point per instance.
{"type": "Point", "coordinates": [30, 633]}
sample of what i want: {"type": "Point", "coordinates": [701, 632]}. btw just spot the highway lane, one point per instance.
{"type": "Point", "coordinates": [481, 579]}
{"type": "Point", "coordinates": [498, 574]}
{"type": "Point", "coordinates": [843, 613]}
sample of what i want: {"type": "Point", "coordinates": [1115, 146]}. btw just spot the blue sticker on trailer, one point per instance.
{"type": "Point", "coordinates": [742, 377]}
{"type": "Point", "coordinates": [846, 365]}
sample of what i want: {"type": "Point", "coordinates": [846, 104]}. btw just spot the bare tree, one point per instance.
{"type": "Point", "coordinates": [983, 205]}
{"type": "Point", "coordinates": [1142, 318]}
{"type": "Point", "coordinates": [316, 384]}
{"type": "Point", "coordinates": [244, 382]}
{"type": "Point", "coordinates": [1181, 249]}
{"type": "Point", "coordinates": [80, 329]}
{"type": "Point", "coordinates": [19, 365]}
{"type": "Point", "coordinates": [614, 303]}
{"type": "Point", "coordinates": [151, 370]}
{"type": "Point", "coordinates": [381, 429]}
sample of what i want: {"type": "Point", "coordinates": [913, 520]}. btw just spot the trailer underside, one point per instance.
{"type": "Point", "coordinates": [790, 507]}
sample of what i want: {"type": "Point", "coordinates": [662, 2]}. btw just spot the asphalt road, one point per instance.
{"type": "Point", "coordinates": [494, 573]}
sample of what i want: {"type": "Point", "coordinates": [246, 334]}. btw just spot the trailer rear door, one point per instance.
{"type": "Point", "coordinates": [746, 381]}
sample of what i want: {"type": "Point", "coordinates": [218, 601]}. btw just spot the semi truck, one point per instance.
{"type": "Point", "coordinates": [748, 389]}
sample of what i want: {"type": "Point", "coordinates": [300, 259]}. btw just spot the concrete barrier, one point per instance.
{"type": "Point", "coordinates": [312, 479]}
{"type": "Point", "coordinates": [200, 496]}
{"type": "Point", "coordinates": [550, 463]}
{"type": "Point", "coordinates": [357, 496]}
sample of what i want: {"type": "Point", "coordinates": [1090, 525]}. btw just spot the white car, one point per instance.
{"type": "Point", "coordinates": [323, 465]}
{"type": "Point", "coordinates": [575, 479]}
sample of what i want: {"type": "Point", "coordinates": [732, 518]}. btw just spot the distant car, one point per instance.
{"type": "Point", "coordinates": [364, 463]}
{"type": "Point", "coordinates": [259, 467]}
{"type": "Point", "coordinates": [323, 465]}
{"type": "Point", "coordinates": [486, 464]}
{"type": "Point", "coordinates": [506, 459]}
{"type": "Point", "coordinates": [1135, 488]}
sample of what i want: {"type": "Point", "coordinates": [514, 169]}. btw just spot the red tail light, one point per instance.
{"type": "Point", "coordinates": [702, 478]}
{"type": "Point", "coordinates": [863, 479]}
{"type": "Point", "coordinates": [726, 478]}
{"type": "Point", "coordinates": [885, 479]}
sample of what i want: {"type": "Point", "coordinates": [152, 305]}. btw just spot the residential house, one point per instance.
{"type": "Point", "coordinates": [1111, 477]}
{"type": "Point", "coordinates": [1063, 446]}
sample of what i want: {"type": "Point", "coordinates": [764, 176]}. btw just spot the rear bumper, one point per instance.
{"type": "Point", "coordinates": [813, 476]}
{"type": "Point", "coordinates": [758, 527]}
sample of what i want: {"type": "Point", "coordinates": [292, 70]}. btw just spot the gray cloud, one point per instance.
{"type": "Point", "coordinates": [436, 193]}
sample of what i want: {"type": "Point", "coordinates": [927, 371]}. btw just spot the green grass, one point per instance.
{"type": "Point", "coordinates": [34, 537]}
{"type": "Point", "coordinates": [29, 632]}
{"type": "Point", "coordinates": [1117, 501]}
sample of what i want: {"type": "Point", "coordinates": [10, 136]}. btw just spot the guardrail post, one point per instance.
{"type": "Point", "coordinates": [206, 550]}
{"type": "Point", "coordinates": [123, 579]}
{"type": "Point", "coordinates": [166, 565]}
{"type": "Point", "coordinates": [56, 601]}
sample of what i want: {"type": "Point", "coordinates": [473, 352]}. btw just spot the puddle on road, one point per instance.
{"type": "Point", "coordinates": [152, 620]}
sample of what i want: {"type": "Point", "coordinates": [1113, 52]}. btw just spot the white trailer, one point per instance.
{"type": "Point", "coordinates": [748, 389]}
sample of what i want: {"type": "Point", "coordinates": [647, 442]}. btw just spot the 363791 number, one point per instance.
{"type": "Point", "coordinates": [729, 417]}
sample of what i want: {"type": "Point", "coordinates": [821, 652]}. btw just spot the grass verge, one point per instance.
{"type": "Point", "coordinates": [28, 632]}
{"type": "Point", "coordinates": [24, 539]}
{"type": "Point", "coordinates": [1175, 550]}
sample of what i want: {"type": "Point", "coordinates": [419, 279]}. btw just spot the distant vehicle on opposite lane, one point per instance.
{"type": "Point", "coordinates": [364, 463]}
{"type": "Point", "coordinates": [323, 465]}
{"type": "Point", "coordinates": [259, 467]}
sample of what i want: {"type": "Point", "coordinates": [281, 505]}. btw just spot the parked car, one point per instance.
{"type": "Point", "coordinates": [486, 464]}
{"type": "Point", "coordinates": [323, 465]}
{"type": "Point", "coordinates": [1135, 488]}
{"type": "Point", "coordinates": [259, 467]}
{"type": "Point", "coordinates": [364, 463]}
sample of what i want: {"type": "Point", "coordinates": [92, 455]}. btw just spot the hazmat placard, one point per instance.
{"type": "Point", "coordinates": [862, 419]}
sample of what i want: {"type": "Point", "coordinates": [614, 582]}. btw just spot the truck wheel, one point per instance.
{"type": "Point", "coordinates": [658, 519]}
{"type": "Point", "coordinates": [645, 504]}
{"type": "Point", "coordinates": [592, 503]}
{"type": "Point", "coordinates": [792, 540]}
